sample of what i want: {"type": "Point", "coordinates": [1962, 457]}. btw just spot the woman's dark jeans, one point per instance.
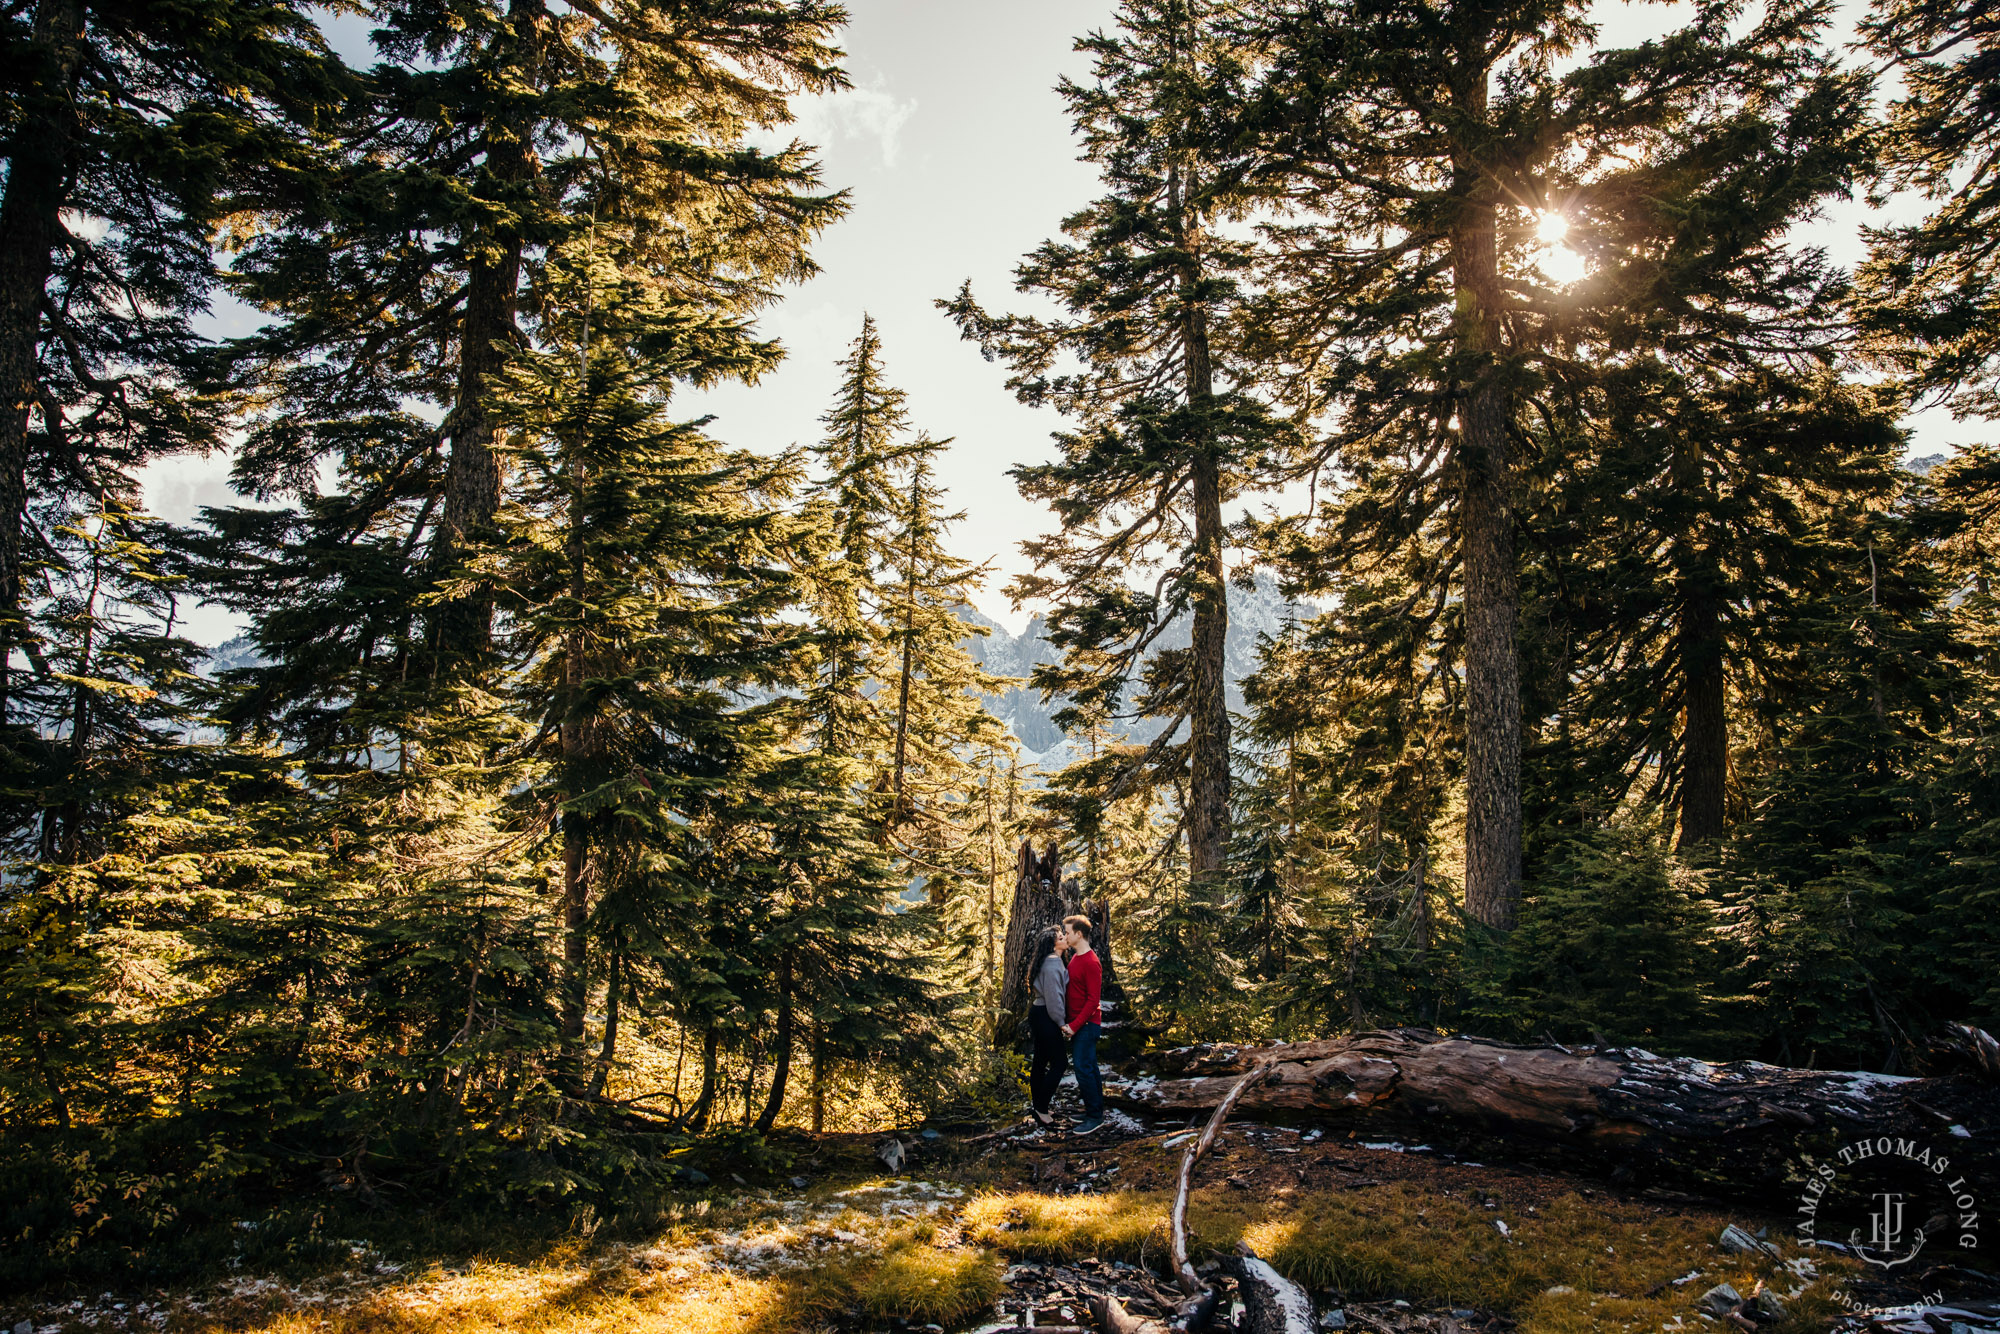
{"type": "Point", "coordinates": [1050, 1057]}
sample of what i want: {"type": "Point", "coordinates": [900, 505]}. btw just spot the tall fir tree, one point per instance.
{"type": "Point", "coordinates": [1168, 424]}
{"type": "Point", "coordinates": [490, 134]}
{"type": "Point", "coordinates": [1931, 289]}
{"type": "Point", "coordinates": [1421, 149]}
{"type": "Point", "coordinates": [130, 131]}
{"type": "Point", "coordinates": [644, 584]}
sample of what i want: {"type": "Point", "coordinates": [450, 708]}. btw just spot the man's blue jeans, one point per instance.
{"type": "Point", "coordinates": [1089, 1084]}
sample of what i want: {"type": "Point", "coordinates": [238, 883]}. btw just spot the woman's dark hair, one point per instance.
{"type": "Point", "coordinates": [1045, 945]}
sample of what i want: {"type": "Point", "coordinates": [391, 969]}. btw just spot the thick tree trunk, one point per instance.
{"type": "Point", "coordinates": [776, 1102]}
{"type": "Point", "coordinates": [40, 170]}
{"type": "Point", "coordinates": [1038, 905]}
{"type": "Point", "coordinates": [1737, 1128]}
{"type": "Point", "coordinates": [486, 332]}
{"type": "Point", "coordinates": [1042, 898]}
{"type": "Point", "coordinates": [1208, 703]}
{"type": "Point", "coordinates": [1705, 741]}
{"type": "Point", "coordinates": [1484, 464]}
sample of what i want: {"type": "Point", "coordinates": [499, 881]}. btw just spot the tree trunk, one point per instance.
{"type": "Point", "coordinates": [776, 1102]}
{"type": "Point", "coordinates": [1486, 536]}
{"type": "Point", "coordinates": [1734, 1129]}
{"type": "Point", "coordinates": [1038, 905]}
{"type": "Point", "coordinates": [1208, 702]}
{"type": "Point", "coordinates": [486, 332]}
{"type": "Point", "coordinates": [819, 1079]}
{"type": "Point", "coordinates": [608, 1053]}
{"type": "Point", "coordinates": [697, 1118]}
{"type": "Point", "coordinates": [907, 667]}
{"type": "Point", "coordinates": [40, 170]}
{"type": "Point", "coordinates": [1705, 741]}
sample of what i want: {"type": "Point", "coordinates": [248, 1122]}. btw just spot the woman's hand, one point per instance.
{"type": "Point", "coordinates": [1067, 1031]}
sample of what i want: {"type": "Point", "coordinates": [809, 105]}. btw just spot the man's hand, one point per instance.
{"type": "Point", "coordinates": [1067, 1031]}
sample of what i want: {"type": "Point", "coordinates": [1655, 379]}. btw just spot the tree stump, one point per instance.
{"type": "Point", "coordinates": [1042, 898]}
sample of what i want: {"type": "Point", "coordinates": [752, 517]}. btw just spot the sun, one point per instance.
{"type": "Point", "coordinates": [1557, 261]}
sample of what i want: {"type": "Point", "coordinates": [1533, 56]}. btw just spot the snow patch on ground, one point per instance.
{"type": "Point", "coordinates": [1123, 1124]}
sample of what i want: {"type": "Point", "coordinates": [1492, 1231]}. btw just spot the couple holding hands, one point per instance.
{"type": "Point", "coordinates": [1066, 981]}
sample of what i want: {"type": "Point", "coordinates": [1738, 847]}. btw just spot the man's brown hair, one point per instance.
{"type": "Point", "coordinates": [1079, 923]}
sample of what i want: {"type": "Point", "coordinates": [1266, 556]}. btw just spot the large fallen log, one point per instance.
{"type": "Point", "coordinates": [1738, 1126]}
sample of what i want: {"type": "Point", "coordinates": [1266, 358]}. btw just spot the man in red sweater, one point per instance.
{"type": "Point", "coordinates": [1086, 986]}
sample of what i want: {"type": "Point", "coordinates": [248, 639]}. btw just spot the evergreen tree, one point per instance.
{"type": "Point", "coordinates": [894, 704]}
{"type": "Point", "coordinates": [1682, 522]}
{"type": "Point", "coordinates": [1360, 707]}
{"type": "Point", "coordinates": [1961, 799]}
{"type": "Point", "coordinates": [490, 134]}
{"type": "Point", "coordinates": [643, 578]}
{"type": "Point", "coordinates": [1423, 148]}
{"type": "Point", "coordinates": [112, 713]}
{"type": "Point", "coordinates": [1168, 427]}
{"type": "Point", "coordinates": [862, 458]}
{"type": "Point", "coordinates": [1618, 942]}
{"type": "Point", "coordinates": [1931, 290]}
{"type": "Point", "coordinates": [129, 131]}
{"type": "Point", "coordinates": [1826, 874]}
{"type": "Point", "coordinates": [1189, 987]}
{"type": "Point", "coordinates": [897, 696]}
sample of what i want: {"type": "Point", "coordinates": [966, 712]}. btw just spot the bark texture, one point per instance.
{"type": "Point", "coordinates": [40, 168]}
{"type": "Point", "coordinates": [1734, 1128]}
{"type": "Point", "coordinates": [1484, 467]}
{"type": "Point", "coordinates": [1042, 898]}
{"type": "Point", "coordinates": [1705, 742]}
{"type": "Point", "coordinates": [1038, 905]}
{"type": "Point", "coordinates": [487, 332]}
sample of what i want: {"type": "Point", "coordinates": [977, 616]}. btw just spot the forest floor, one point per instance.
{"type": "Point", "coordinates": [1386, 1237]}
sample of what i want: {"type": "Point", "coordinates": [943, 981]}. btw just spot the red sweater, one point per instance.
{"type": "Point", "coordinates": [1086, 980]}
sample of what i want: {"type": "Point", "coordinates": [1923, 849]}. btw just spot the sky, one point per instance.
{"type": "Point", "coordinates": [959, 160]}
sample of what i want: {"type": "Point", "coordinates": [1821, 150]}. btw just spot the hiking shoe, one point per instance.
{"type": "Point", "coordinates": [1090, 1125]}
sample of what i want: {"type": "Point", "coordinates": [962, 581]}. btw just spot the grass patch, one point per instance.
{"type": "Point", "coordinates": [1124, 1225]}
{"type": "Point", "coordinates": [926, 1283]}
{"type": "Point", "coordinates": [556, 1303]}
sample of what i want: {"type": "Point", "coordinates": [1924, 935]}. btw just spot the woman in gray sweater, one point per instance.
{"type": "Point", "coordinates": [1047, 980]}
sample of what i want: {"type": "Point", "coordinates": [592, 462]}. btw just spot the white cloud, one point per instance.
{"type": "Point", "coordinates": [853, 116]}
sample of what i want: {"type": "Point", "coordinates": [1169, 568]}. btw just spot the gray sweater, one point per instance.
{"type": "Point", "coordinates": [1050, 984]}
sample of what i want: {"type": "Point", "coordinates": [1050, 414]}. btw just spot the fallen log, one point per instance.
{"type": "Point", "coordinates": [1735, 1127]}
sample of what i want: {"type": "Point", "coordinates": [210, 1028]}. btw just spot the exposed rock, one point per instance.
{"type": "Point", "coordinates": [1720, 1300]}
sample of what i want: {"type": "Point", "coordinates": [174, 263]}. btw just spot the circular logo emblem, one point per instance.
{"type": "Point", "coordinates": [1883, 1200]}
